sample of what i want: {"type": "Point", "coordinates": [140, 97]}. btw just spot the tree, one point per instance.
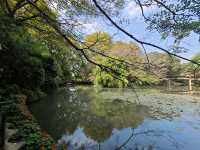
{"type": "Point", "coordinates": [135, 38]}
{"type": "Point", "coordinates": [164, 65]}
{"type": "Point", "coordinates": [23, 59]}
{"type": "Point", "coordinates": [106, 79]}
{"type": "Point", "coordinates": [178, 18]}
{"type": "Point", "coordinates": [64, 26]}
{"type": "Point", "coordinates": [100, 41]}
{"type": "Point", "coordinates": [192, 68]}
{"type": "Point", "coordinates": [129, 51]}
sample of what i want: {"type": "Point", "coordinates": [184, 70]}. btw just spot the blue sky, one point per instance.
{"type": "Point", "coordinates": [136, 26]}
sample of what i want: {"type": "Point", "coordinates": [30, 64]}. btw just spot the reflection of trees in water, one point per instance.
{"type": "Point", "coordinates": [120, 114]}
{"type": "Point", "coordinates": [96, 115]}
{"type": "Point", "coordinates": [103, 116]}
{"type": "Point", "coordinates": [130, 142]}
{"type": "Point", "coordinates": [97, 128]}
{"type": "Point", "coordinates": [151, 133]}
{"type": "Point", "coordinates": [86, 109]}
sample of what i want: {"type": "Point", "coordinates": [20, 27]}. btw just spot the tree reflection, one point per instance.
{"type": "Point", "coordinates": [85, 108]}
{"type": "Point", "coordinates": [90, 120]}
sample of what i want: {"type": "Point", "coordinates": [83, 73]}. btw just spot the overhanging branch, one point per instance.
{"type": "Point", "coordinates": [136, 39]}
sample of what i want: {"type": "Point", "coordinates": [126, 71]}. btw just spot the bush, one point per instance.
{"type": "Point", "coordinates": [24, 61]}
{"type": "Point", "coordinates": [124, 77]}
{"type": "Point", "coordinates": [142, 77]}
{"type": "Point", "coordinates": [109, 78]}
{"type": "Point", "coordinates": [28, 130]}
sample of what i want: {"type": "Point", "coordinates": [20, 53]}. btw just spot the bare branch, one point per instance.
{"type": "Point", "coordinates": [136, 39]}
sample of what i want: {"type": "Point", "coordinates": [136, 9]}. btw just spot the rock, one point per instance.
{"type": "Point", "coordinates": [9, 145]}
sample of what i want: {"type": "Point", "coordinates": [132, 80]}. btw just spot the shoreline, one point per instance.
{"type": "Point", "coordinates": [22, 126]}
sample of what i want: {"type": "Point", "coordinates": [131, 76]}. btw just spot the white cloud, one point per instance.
{"type": "Point", "coordinates": [132, 10]}
{"type": "Point", "coordinates": [91, 27]}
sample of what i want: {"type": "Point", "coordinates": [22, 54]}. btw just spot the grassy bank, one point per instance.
{"type": "Point", "coordinates": [13, 105]}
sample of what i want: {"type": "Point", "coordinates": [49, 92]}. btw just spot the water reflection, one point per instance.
{"type": "Point", "coordinates": [110, 119]}
{"type": "Point", "coordinates": [68, 110]}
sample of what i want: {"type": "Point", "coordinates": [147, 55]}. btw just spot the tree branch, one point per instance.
{"type": "Point", "coordinates": [136, 39]}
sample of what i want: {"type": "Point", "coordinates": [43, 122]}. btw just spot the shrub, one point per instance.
{"type": "Point", "coordinates": [109, 78]}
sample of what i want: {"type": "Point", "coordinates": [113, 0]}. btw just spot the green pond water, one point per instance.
{"type": "Point", "coordinates": [110, 119]}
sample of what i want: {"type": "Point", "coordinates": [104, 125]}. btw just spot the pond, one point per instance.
{"type": "Point", "coordinates": [111, 119]}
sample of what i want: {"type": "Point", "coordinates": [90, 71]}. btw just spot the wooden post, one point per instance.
{"type": "Point", "coordinates": [169, 84]}
{"type": "Point", "coordinates": [189, 84]}
{"type": "Point", "coordinates": [2, 131]}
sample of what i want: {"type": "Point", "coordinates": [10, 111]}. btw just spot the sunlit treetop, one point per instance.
{"type": "Point", "coordinates": [126, 50]}
{"type": "Point", "coordinates": [100, 41]}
